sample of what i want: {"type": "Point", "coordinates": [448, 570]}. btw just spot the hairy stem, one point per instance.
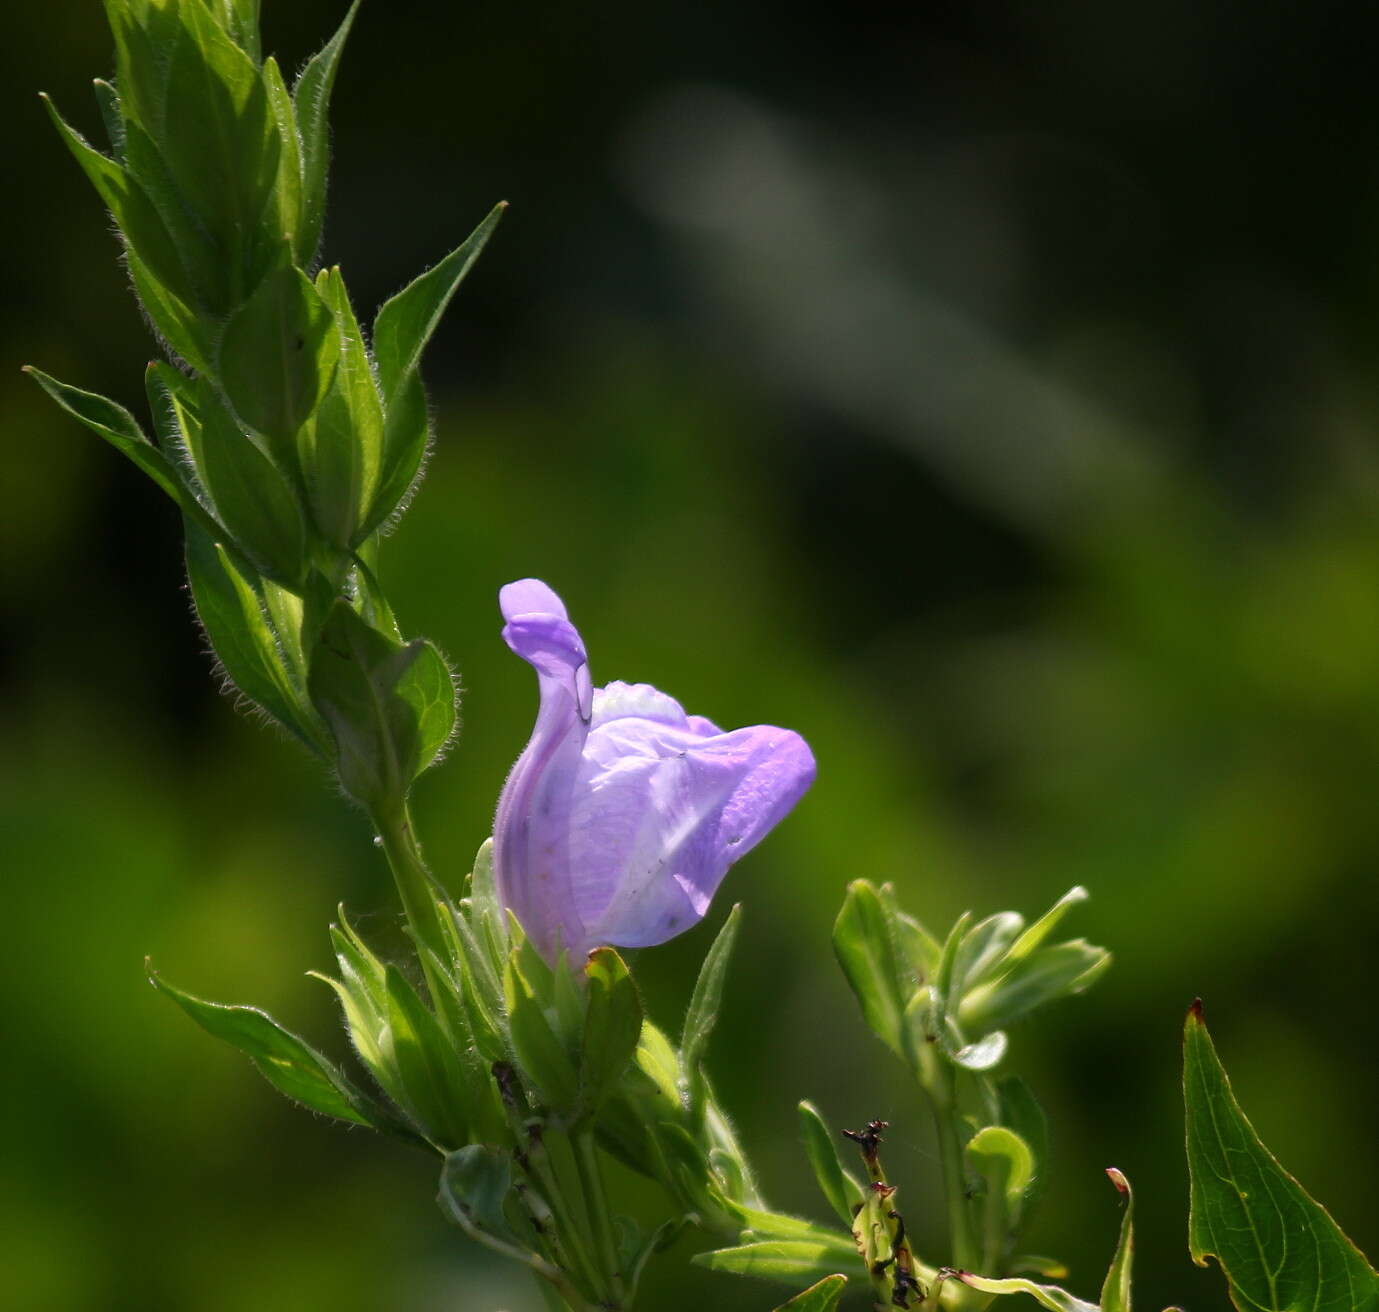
{"type": "Point", "coordinates": [415, 883]}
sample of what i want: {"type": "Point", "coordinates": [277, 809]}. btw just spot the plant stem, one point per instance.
{"type": "Point", "coordinates": [596, 1203]}
{"type": "Point", "coordinates": [415, 883]}
{"type": "Point", "coordinates": [942, 1090]}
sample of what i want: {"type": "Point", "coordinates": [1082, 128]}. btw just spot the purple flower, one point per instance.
{"type": "Point", "coordinates": [623, 814]}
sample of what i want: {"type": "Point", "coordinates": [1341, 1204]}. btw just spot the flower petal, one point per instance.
{"type": "Point", "coordinates": [531, 832]}
{"type": "Point", "coordinates": [618, 701]}
{"type": "Point", "coordinates": [661, 812]}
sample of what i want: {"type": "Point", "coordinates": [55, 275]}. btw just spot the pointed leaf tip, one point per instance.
{"type": "Point", "coordinates": [1277, 1246]}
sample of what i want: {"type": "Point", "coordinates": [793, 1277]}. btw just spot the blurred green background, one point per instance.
{"type": "Point", "coordinates": [986, 392]}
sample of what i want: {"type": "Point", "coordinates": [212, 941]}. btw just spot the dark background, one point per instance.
{"type": "Point", "coordinates": [985, 391]}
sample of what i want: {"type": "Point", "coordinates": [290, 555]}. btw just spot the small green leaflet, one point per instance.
{"type": "Point", "coordinates": [708, 992]}
{"type": "Point", "coordinates": [843, 1192]}
{"type": "Point", "coordinates": [1279, 1249]}
{"type": "Point", "coordinates": [311, 99]}
{"type": "Point", "coordinates": [288, 1064]}
{"type": "Point", "coordinates": [786, 1260]}
{"type": "Point", "coordinates": [822, 1297]}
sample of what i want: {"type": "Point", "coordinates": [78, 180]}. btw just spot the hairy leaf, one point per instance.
{"type": "Point", "coordinates": [311, 99]}
{"type": "Point", "coordinates": [708, 992]}
{"type": "Point", "coordinates": [289, 1064]}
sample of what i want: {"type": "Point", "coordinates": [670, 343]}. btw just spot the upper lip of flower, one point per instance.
{"type": "Point", "coordinates": [622, 815]}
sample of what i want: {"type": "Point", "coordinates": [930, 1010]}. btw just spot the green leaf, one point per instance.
{"type": "Point", "coordinates": [232, 614]}
{"type": "Point", "coordinates": [114, 423]}
{"type": "Point", "coordinates": [176, 327]}
{"type": "Point", "coordinates": [426, 1064]}
{"type": "Point", "coordinates": [612, 1025]}
{"type": "Point", "coordinates": [1115, 1292]}
{"type": "Point", "coordinates": [145, 37]}
{"type": "Point", "coordinates": [341, 449]}
{"type": "Point", "coordinates": [483, 892]}
{"type": "Point", "coordinates": [388, 706]}
{"type": "Point", "coordinates": [927, 1017]}
{"type": "Point", "coordinates": [482, 994]}
{"type": "Point", "coordinates": [475, 1182]}
{"type": "Point", "coordinates": [984, 946]}
{"type": "Point", "coordinates": [822, 1297]}
{"type": "Point", "coordinates": [1049, 1296]}
{"type": "Point", "coordinates": [139, 221]}
{"type": "Point", "coordinates": [1033, 938]}
{"type": "Point", "coordinates": [708, 993]}
{"type": "Point", "coordinates": [287, 188]}
{"type": "Point", "coordinates": [1051, 973]}
{"type": "Point", "coordinates": [786, 1260]}
{"type": "Point", "coordinates": [209, 273]}
{"type": "Point", "coordinates": [405, 322]}
{"type": "Point", "coordinates": [249, 495]}
{"type": "Point", "coordinates": [1279, 1249]}
{"type": "Point", "coordinates": [1002, 974]}
{"type": "Point", "coordinates": [222, 148]}
{"type": "Point", "coordinates": [1034, 1264]}
{"type": "Point", "coordinates": [1021, 1112]}
{"type": "Point", "coordinates": [864, 939]}
{"type": "Point", "coordinates": [277, 357]}
{"type": "Point", "coordinates": [919, 949]}
{"type": "Point", "coordinates": [311, 99]}
{"type": "Point", "coordinates": [657, 1059]}
{"type": "Point", "coordinates": [1003, 1160]}
{"type": "Point", "coordinates": [288, 1064]}
{"type": "Point", "coordinates": [428, 688]}
{"type": "Point", "coordinates": [108, 100]}
{"type": "Point", "coordinates": [364, 1001]}
{"type": "Point", "coordinates": [758, 1223]}
{"type": "Point", "coordinates": [542, 1059]}
{"type": "Point", "coordinates": [982, 1055]}
{"type": "Point", "coordinates": [401, 330]}
{"type": "Point", "coordinates": [686, 1171]}
{"type": "Point", "coordinates": [843, 1192]}
{"type": "Point", "coordinates": [240, 18]}
{"type": "Point", "coordinates": [725, 1153]}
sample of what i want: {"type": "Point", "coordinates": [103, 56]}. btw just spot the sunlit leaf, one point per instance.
{"type": "Point", "coordinates": [277, 357]}
{"type": "Point", "coordinates": [789, 1261]}
{"type": "Point", "coordinates": [612, 1024]}
{"type": "Point", "coordinates": [289, 1064]}
{"type": "Point", "coordinates": [1280, 1250]}
{"type": "Point", "coordinates": [864, 939]}
{"type": "Point", "coordinates": [843, 1192]}
{"type": "Point", "coordinates": [822, 1297]}
{"type": "Point", "coordinates": [708, 992]}
{"type": "Point", "coordinates": [311, 99]}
